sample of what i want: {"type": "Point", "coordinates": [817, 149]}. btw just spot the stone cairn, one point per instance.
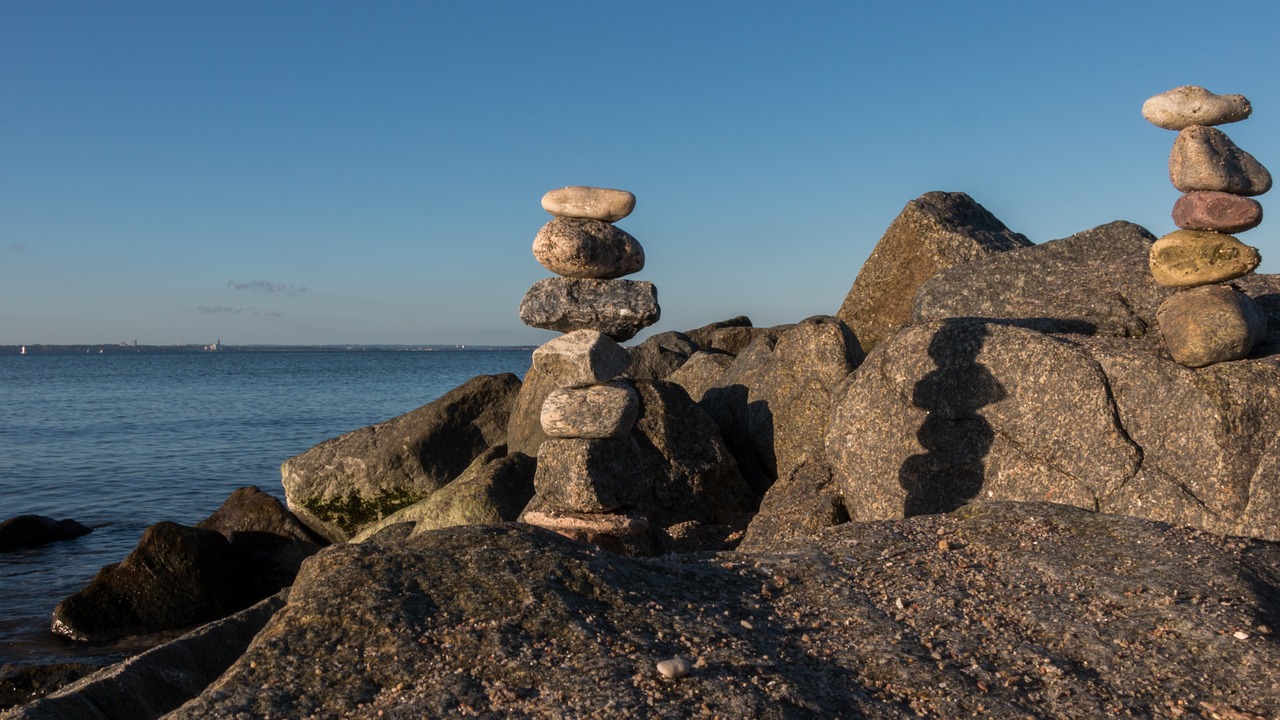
{"type": "Point", "coordinates": [587, 467]}
{"type": "Point", "coordinates": [1207, 321]}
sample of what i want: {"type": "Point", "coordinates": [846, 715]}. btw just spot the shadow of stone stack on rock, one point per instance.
{"type": "Point", "coordinates": [1207, 321]}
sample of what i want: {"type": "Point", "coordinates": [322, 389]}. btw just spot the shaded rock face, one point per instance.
{"type": "Point", "coordinates": [34, 530]}
{"type": "Point", "coordinates": [179, 576]}
{"type": "Point", "coordinates": [935, 231]}
{"type": "Point", "coordinates": [660, 355]}
{"type": "Point", "coordinates": [356, 479]}
{"type": "Point", "coordinates": [493, 489]}
{"type": "Point", "coordinates": [800, 504]}
{"type": "Point", "coordinates": [1094, 282]}
{"type": "Point", "coordinates": [994, 611]}
{"type": "Point", "coordinates": [963, 409]}
{"type": "Point", "coordinates": [772, 403]}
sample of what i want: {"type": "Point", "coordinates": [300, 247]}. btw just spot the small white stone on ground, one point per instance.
{"type": "Point", "coordinates": [674, 668]}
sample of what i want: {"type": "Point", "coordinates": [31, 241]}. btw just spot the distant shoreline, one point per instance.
{"type": "Point", "coordinates": [118, 349]}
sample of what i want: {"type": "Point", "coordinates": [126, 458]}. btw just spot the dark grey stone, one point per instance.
{"type": "Point", "coordinates": [617, 308]}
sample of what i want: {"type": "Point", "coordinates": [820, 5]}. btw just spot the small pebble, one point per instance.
{"type": "Point", "coordinates": [1240, 635]}
{"type": "Point", "coordinates": [673, 668]}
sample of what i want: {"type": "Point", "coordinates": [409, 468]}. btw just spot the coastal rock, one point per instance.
{"type": "Point", "coordinates": [936, 231]}
{"type": "Point", "coordinates": [1093, 282]}
{"type": "Point", "coordinates": [579, 201]}
{"type": "Point", "coordinates": [701, 372]}
{"type": "Point", "coordinates": [1208, 439]}
{"type": "Point", "coordinates": [800, 504]}
{"type": "Point", "coordinates": [21, 684]}
{"type": "Point", "coordinates": [1216, 211]}
{"type": "Point", "coordinates": [1204, 158]}
{"type": "Point", "coordinates": [588, 476]}
{"type": "Point", "coordinates": [596, 411]}
{"type": "Point", "coordinates": [1190, 105]}
{"type": "Point", "coordinates": [1210, 324]}
{"type": "Point", "coordinates": [660, 355]}
{"type": "Point", "coordinates": [356, 479]}
{"type": "Point", "coordinates": [177, 576]}
{"type": "Point", "coordinates": [726, 336]}
{"type": "Point", "coordinates": [953, 410]}
{"type": "Point", "coordinates": [1187, 258]}
{"type": "Point", "coordinates": [617, 308]}
{"type": "Point", "coordinates": [995, 611]}
{"type": "Point", "coordinates": [268, 541]}
{"type": "Point", "coordinates": [159, 680]}
{"type": "Point", "coordinates": [33, 530]}
{"type": "Point", "coordinates": [583, 248]}
{"type": "Point", "coordinates": [772, 405]}
{"type": "Point", "coordinates": [694, 477]}
{"type": "Point", "coordinates": [492, 490]}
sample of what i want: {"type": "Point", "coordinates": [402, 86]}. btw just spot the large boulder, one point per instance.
{"type": "Point", "coordinates": [347, 482]}
{"type": "Point", "coordinates": [268, 540]}
{"type": "Point", "coordinates": [494, 489]}
{"type": "Point", "coordinates": [935, 231]}
{"type": "Point", "coordinates": [176, 577]}
{"type": "Point", "coordinates": [660, 355]}
{"type": "Point", "coordinates": [33, 530]}
{"type": "Point", "coordinates": [1000, 611]}
{"type": "Point", "coordinates": [955, 410]}
{"type": "Point", "coordinates": [772, 404]}
{"type": "Point", "coordinates": [1094, 282]}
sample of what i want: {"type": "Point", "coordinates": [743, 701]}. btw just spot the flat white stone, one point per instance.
{"type": "Point", "coordinates": [580, 201]}
{"type": "Point", "coordinates": [1190, 105]}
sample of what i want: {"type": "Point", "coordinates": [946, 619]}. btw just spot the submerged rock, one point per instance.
{"type": "Point", "coordinates": [34, 530]}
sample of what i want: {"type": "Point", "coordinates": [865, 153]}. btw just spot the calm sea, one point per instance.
{"type": "Point", "coordinates": [121, 441]}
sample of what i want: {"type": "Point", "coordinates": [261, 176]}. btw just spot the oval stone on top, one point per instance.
{"type": "Point", "coordinates": [1187, 258]}
{"type": "Point", "coordinates": [580, 201]}
{"type": "Point", "coordinates": [585, 248]}
{"type": "Point", "coordinates": [1191, 105]}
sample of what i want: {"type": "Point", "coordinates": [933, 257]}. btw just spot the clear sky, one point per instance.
{"type": "Point", "coordinates": [370, 172]}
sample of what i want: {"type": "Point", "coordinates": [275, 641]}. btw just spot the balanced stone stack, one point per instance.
{"type": "Point", "coordinates": [587, 472]}
{"type": "Point", "coordinates": [1207, 321]}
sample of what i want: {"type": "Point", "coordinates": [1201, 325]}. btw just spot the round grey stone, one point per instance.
{"type": "Point", "coordinates": [596, 411]}
{"type": "Point", "coordinates": [1204, 158]}
{"type": "Point", "coordinates": [580, 201]}
{"type": "Point", "coordinates": [585, 248]}
{"type": "Point", "coordinates": [1187, 258]}
{"type": "Point", "coordinates": [1190, 105]}
{"type": "Point", "coordinates": [1210, 324]}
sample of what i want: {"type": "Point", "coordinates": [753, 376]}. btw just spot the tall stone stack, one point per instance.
{"type": "Point", "coordinates": [587, 469]}
{"type": "Point", "coordinates": [1208, 320]}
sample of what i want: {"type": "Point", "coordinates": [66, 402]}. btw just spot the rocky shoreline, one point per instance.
{"type": "Point", "coordinates": [983, 488]}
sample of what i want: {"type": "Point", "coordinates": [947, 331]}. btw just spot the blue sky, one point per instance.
{"type": "Point", "coordinates": [179, 172]}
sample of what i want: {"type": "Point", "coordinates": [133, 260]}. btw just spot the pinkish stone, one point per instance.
{"type": "Point", "coordinates": [1218, 211]}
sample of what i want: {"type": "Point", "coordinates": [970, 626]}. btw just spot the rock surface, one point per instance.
{"type": "Point", "coordinates": [176, 577]}
{"type": "Point", "coordinates": [1210, 324]}
{"type": "Point", "coordinates": [936, 231]}
{"type": "Point", "coordinates": [493, 489]}
{"type": "Point", "coordinates": [580, 201]}
{"type": "Point", "coordinates": [269, 542]}
{"type": "Point", "coordinates": [1216, 211]}
{"type": "Point", "coordinates": [597, 411]}
{"type": "Point", "coordinates": [1204, 158]}
{"type": "Point", "coordinates": [584, 248]}
{"type": "Point", "coordinates": [1187, 258]}
{"type": "Point", "coordinates": [701, 372]}
{"type": "Point", "coordinates": [1093, 282]}
{"type": "Point", "coordinates": [356, 479]}
{"type": "Point", "coordinates": [1189, 105]}
{"type": "Point", "coordinates": [772, 405]}
{"type": "Point", "coordinates": [617, 308]}
{"type": "Point", "coordinates": [159, 680]}
{"type": "Point", "coordinates": [589, 476]}
{"type": "Point", "coordinates": [999, 610]}
{"type": "Point", "coordinates": [581, 357]}
{"type": "Point", "coordinates": [35, 530]}
{"type": "Point", "coordinates": [955, 410]}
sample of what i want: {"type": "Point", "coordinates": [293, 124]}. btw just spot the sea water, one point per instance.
{"type": "Point", "coordinates": [120, 441]}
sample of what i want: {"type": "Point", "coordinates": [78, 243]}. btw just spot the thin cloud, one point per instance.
{"type": "Point", "coordinates": [233, 310]}
{"type": "Point", "coordinates": [18, 247]}
{"type": "Point", "coordinates": [266, 286]}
